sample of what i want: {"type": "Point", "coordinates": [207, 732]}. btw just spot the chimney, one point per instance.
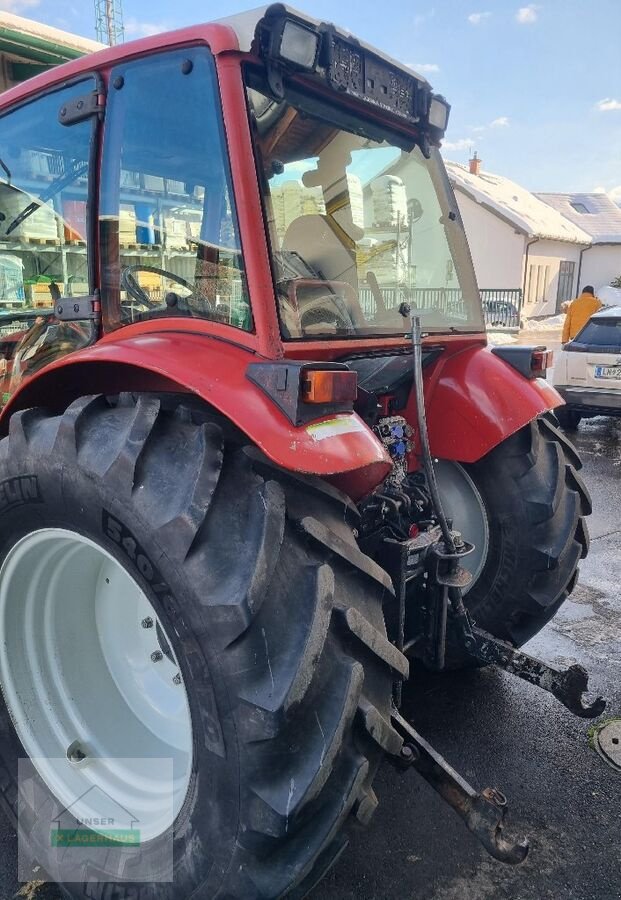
{"type": "Point", "coordinates": [475, 164]}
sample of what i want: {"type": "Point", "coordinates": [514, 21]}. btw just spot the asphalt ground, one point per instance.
{"type": "Point", "coordinates": [499, 731]}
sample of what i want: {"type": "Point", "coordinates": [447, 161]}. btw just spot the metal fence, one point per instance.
{"type": "Point", "coordinates": [501, 308]}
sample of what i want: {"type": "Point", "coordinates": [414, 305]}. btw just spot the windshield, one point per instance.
{"type": "Point", "coordinates": [357, 228]}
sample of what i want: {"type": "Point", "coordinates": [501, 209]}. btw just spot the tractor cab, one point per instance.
{"type": "Point", "coordinates": [272, 190]}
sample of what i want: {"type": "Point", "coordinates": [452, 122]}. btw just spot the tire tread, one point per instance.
{"type": "Point", "coordinates": [517, 602]}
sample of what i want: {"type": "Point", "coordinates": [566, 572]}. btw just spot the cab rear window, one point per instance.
{"type": "Point", "coordinates": [606, 333]}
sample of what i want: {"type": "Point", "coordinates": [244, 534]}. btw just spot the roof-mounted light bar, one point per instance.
{"type": "Point", "coordinates": [292, 44]}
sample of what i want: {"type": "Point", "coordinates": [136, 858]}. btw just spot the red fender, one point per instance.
{"type": "Point", "coordinates": [215, 371]}
{"type": "Point", "coordinates": [475, 401]}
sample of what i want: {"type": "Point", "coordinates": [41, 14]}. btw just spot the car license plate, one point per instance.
{"type": "Point", "coordinates": [608, 372]}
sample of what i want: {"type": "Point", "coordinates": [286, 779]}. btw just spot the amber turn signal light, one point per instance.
{"type": "Point", "coordinates": [328, 386]}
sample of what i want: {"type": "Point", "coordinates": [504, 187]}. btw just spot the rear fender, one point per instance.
{"type": "Point", "coordinates": [475, 401]}
{"type": "Point", "coordinates": [344, 449]}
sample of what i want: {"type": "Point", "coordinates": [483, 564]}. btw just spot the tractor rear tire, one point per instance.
{"type": "Point", "coordinates": [568, 418]}
{"type": "Point", "coordinates": [273, 617]}
{"type": "Point", "coordinates": [536, 505]}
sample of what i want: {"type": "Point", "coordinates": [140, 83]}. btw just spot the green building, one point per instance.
{"type": "Point", "coordinates": [28, 47]}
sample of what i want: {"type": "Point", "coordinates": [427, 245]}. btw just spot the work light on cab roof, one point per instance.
{"type": "Point", "coordinates": [290, 42]}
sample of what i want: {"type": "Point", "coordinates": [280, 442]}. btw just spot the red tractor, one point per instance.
{"type": "Point", "coordinates": [259, 461]}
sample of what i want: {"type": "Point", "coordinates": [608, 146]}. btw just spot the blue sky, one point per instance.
{"type": "Point", "coordinates": [534, 88]}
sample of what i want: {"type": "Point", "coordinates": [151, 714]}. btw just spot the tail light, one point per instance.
{"type": "Point", "coordinates": [540, 361]}
{"type": "Point", "coordinates": [531, 362]}
{"type": "Point", "coordinates": [328, 386]}
{"type": "Point", "coordinates": [306, 391]}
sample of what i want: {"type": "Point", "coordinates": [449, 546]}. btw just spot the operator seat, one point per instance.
{"type": "Point", "coordinates": [318, 243]}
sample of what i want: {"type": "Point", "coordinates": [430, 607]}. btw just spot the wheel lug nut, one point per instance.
{"type": "Point", "coordinates": [147, 623]}
{"type": "Point", "coordinates": [156, 656]}
{"type": "Point", "coordinates": [177, 678]}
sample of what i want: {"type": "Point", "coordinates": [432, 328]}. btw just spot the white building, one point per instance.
{"type": "Point", "coordinates": [601, 219]}
{"type": "Point", "coordinates": [518, 242]}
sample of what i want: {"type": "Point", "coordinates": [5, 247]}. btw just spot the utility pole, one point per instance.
{"type": "Point", "coordinates": [109, 21]}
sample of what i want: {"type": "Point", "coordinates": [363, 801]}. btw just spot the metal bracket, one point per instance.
{"type": "Point", "coordinates": [567, 685]}
{"type": "Point", "coordinates": [80, 108]}
{"type": "Point", "coordinates": [483, 813]}
{"type": "Point", "coordinates": [449, 572]}
{"type": "Point", "coordinates": [73, 309]}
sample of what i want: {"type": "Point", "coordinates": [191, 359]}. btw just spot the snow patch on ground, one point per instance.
{"type": "Point", "coordinates": [500, 338]}
{"type": "Point", "coordinates": [550, 323]}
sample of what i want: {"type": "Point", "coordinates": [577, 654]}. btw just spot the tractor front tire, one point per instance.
{"type": "Point", "coordinates": [536, 505]}
{"type": "Point", "coordinates": [261, 600]}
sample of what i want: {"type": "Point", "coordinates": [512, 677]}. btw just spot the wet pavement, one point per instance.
{"type": "Point", "coordinates": [502, 732]}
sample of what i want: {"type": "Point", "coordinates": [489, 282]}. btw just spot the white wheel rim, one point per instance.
{"type": "Point", "coordinates": [464, 505]}
{"type": "Point", "coordinates": [76, 669]}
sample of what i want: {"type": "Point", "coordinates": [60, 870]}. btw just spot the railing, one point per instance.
{"type": "Point", "coordinates": [501, 308]}
{"type": "Point", "coordinates": [444, 300]}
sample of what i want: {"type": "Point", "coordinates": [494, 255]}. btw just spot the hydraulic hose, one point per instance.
{"type": "Point", "coordinates": [430, 474]}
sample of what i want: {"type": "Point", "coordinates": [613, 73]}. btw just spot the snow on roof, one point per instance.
{"type": "Point", "coordinates": [596, 214]}
{"type": "Point", "coordinates": [608, 313]}
{"type": "Point", "coordinates": [37, 30]}
{"type": "Point", "coordinates": [517, 206]}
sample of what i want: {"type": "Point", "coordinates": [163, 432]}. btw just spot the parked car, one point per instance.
{"type": "Point", "coordinates": [587, 374]}
{"type": "Point", "coordinates": [501, 314]}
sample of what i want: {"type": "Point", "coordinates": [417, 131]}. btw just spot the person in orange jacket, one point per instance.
{"type": "Point", "coordinates": [580, 311]}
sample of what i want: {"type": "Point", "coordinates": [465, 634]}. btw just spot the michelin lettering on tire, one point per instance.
{"type": "Point", "coordinates": [19, 490]}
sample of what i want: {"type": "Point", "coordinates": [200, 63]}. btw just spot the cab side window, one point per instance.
{"type": "Point", "coordinates": [44, 240]}
{"type": "Point", "coordinates": [170, 239]}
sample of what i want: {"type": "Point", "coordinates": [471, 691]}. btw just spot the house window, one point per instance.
{"type": "Point", "coordinates": [538, 280]}
{"type": "Point", "coordinates": [529, 290]}
{"type": "Point", "coordinates": [565, 282]}
{"type": "Point", "coordinates": [579, 208]}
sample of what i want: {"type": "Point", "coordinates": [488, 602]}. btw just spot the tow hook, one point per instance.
{"type": "Point", "coordinates": [482, 812]}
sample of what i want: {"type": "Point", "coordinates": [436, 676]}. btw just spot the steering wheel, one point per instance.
{"type": "Point", "coordinates": [130, 284]}
{"type": "Point", "coordinates": [331, 318]}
